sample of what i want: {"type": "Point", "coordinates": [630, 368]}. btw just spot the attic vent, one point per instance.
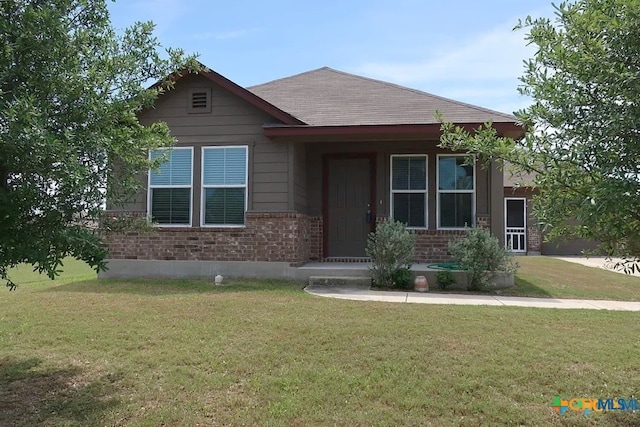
{"type": "Point", "coordinates": [199, 101]}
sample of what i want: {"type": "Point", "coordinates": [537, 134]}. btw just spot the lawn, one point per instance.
{"type": "Point", "coordinates": [264, 353]}
{"type": "Point", "coordinates": [550, 277]}
{"type": "Point", "coordinates": [73, 269]}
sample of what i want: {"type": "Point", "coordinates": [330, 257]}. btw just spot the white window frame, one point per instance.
{"type": "Point", "coordinates": [425, 191]}
{"type": "Point", "coordinates": [151, 187]}
{"type": "Point", "coordinates": [472, 192]}
{"type": "Point", "coordinates": [205, 187]}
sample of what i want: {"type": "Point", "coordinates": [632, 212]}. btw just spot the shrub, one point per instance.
{"type": "Point", "coordinates": [401, 278]}
{"type": "Point", "coordinates": [391, 249]}
{"type": "Point", "coordinates": [444, 279]}
{"type": "Point", "coordinates": [482, 256]}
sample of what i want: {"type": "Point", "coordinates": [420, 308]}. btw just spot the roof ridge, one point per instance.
{"type": "Point", "coordinates": [398, 86]}
{"type": "Point", "coordinates": [289, 77]}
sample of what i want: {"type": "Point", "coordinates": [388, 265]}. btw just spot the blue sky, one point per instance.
{"type": "Point", "coordinates": [460, 49]}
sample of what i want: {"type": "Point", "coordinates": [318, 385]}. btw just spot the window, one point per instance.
{"type": "Point", "coordinates": [170, 187]}
{"type": "Point", "coordinates": [456, 192]}
{"type": "Point", "coordinates": [224, 185]}
{"type": "Point", "coordinates": [199, 101]}
{"type": "Point", "coordinates": [409, 189]}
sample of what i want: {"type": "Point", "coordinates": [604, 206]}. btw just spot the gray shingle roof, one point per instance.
{"type": "Point", "coordinates": [327, 97]}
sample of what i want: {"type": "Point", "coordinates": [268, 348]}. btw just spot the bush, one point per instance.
{"type": "Point", "coordinates": [444, 279]}
{"type": "Point", "coordinates": [391, 249]}
{"type": "Point", "coordinates": [401, 279]}
{"type": "Point", "coordinates": [482, 256]}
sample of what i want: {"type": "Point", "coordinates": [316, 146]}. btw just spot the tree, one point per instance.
{"type": "Point", "coordinates": [70, 88]}
{"type": "Point", "coordinates": [583, 126]}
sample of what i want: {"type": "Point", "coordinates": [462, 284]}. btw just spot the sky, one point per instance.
{"type": "Point", "coordinates": [460, 49]}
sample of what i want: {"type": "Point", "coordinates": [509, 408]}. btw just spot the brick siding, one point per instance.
{"type": "Point", "coordinates": [278, 237]}
{"type": "Point", "coordinates": [483, 221]}
{"type": "Point", "coordinates": [316, 240]}
{"type": "Point", "coordinates": [534, 239]}
{"type": "Point", "coordinates": [433, 245]}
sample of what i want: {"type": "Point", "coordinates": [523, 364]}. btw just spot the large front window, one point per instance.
{"type": "Point", "coordinates": [170, 187]}
{"type": "Point", "coordinates": [456, 191]}
{"type": "Point", "coordinates": [409, 189]}
{"type": "Point", "coordinates": [224, 185]}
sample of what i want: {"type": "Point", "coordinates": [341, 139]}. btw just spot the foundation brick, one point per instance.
{"type": "Point", "coordinates": [277, 237]}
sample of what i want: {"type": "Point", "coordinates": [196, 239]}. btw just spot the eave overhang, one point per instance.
{"type": "Point", "coordinates": [422, 131]}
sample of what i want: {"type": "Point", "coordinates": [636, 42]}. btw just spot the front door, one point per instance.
{"type": "Point", "coordinates": [348, 211]}
{"type": "Point", "coordinates": [516, 224]}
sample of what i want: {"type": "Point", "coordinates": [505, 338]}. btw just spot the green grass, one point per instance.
{"type": "Point", "coordinates": [550, 277]}
{"type": "Point", "coordinates": [73, 270]}
{"type": "Point", "coordinates": [264, 353]}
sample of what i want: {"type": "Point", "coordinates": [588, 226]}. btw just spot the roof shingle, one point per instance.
{"type": "Point", "coordinates": [327, 97]}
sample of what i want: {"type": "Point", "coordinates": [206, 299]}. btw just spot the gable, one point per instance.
{"type": "Point", "coordinates": [227, 85]}
{"type": "Point", "coordinates": [198, 109]}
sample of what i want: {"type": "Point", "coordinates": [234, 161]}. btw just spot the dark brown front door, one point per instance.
{"type": "Point", "coordinates": [348, 201]}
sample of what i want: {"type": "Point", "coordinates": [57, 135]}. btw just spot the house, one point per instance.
{"type": "Point", "coordinates": [523, 234]}
{"type": "Point", "coordinates": [267, 178]}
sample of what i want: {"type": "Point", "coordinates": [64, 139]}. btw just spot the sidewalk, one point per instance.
{"type": "Point", "coordinates": [596, 262]}
{"type": "Point", "coordinates": [459, 299]}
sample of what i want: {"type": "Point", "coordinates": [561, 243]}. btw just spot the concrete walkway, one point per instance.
{"type": "Point", "coordinates": [360, 294]}
{"type": "Point", "coordinates": [596, 261]}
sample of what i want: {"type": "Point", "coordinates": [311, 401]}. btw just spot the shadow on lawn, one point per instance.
{"type": "Point", "coordinates": [31, 394]}
{"type": "Point", "coordinates": [524, 288]}
{"type": "Point", "coordinates": [153, 287]}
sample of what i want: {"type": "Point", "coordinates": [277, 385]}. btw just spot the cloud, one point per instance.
{"type": "Point", "coordinates": [495, 55]}
{"type": "Point", "coordinates": [482, 70]}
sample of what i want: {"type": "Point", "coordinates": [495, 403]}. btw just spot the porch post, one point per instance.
{"type": "Point", "coordinates": [496, 196]}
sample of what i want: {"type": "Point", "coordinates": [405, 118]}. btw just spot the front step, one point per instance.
{"type": "Point", "coordinates": [341, 281]}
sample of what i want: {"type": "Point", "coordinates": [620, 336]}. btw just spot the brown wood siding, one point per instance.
{"type": "Point", "coordinates": [483, 181]}
{"type": "Point", "coordinates": [299, 178]}
{"type": "Point", "coordinates": [138, 203]}
{"type": "Point", "coordinates": [232, 121]}
{"type": "Point", "coordinates": [270, 176]}
{"type": "Point", "coordinates": [270, 187]}
{"type": "Point", "coordinates": [278, 199]}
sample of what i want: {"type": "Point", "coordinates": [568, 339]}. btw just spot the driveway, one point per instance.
{"type": "Point", "coordinates": [595, 261]}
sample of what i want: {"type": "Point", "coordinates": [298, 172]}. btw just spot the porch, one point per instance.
{"type": "Point", "coordinates": [361, 269]}
{"type": "Point", "coordinates": [349, 186]}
